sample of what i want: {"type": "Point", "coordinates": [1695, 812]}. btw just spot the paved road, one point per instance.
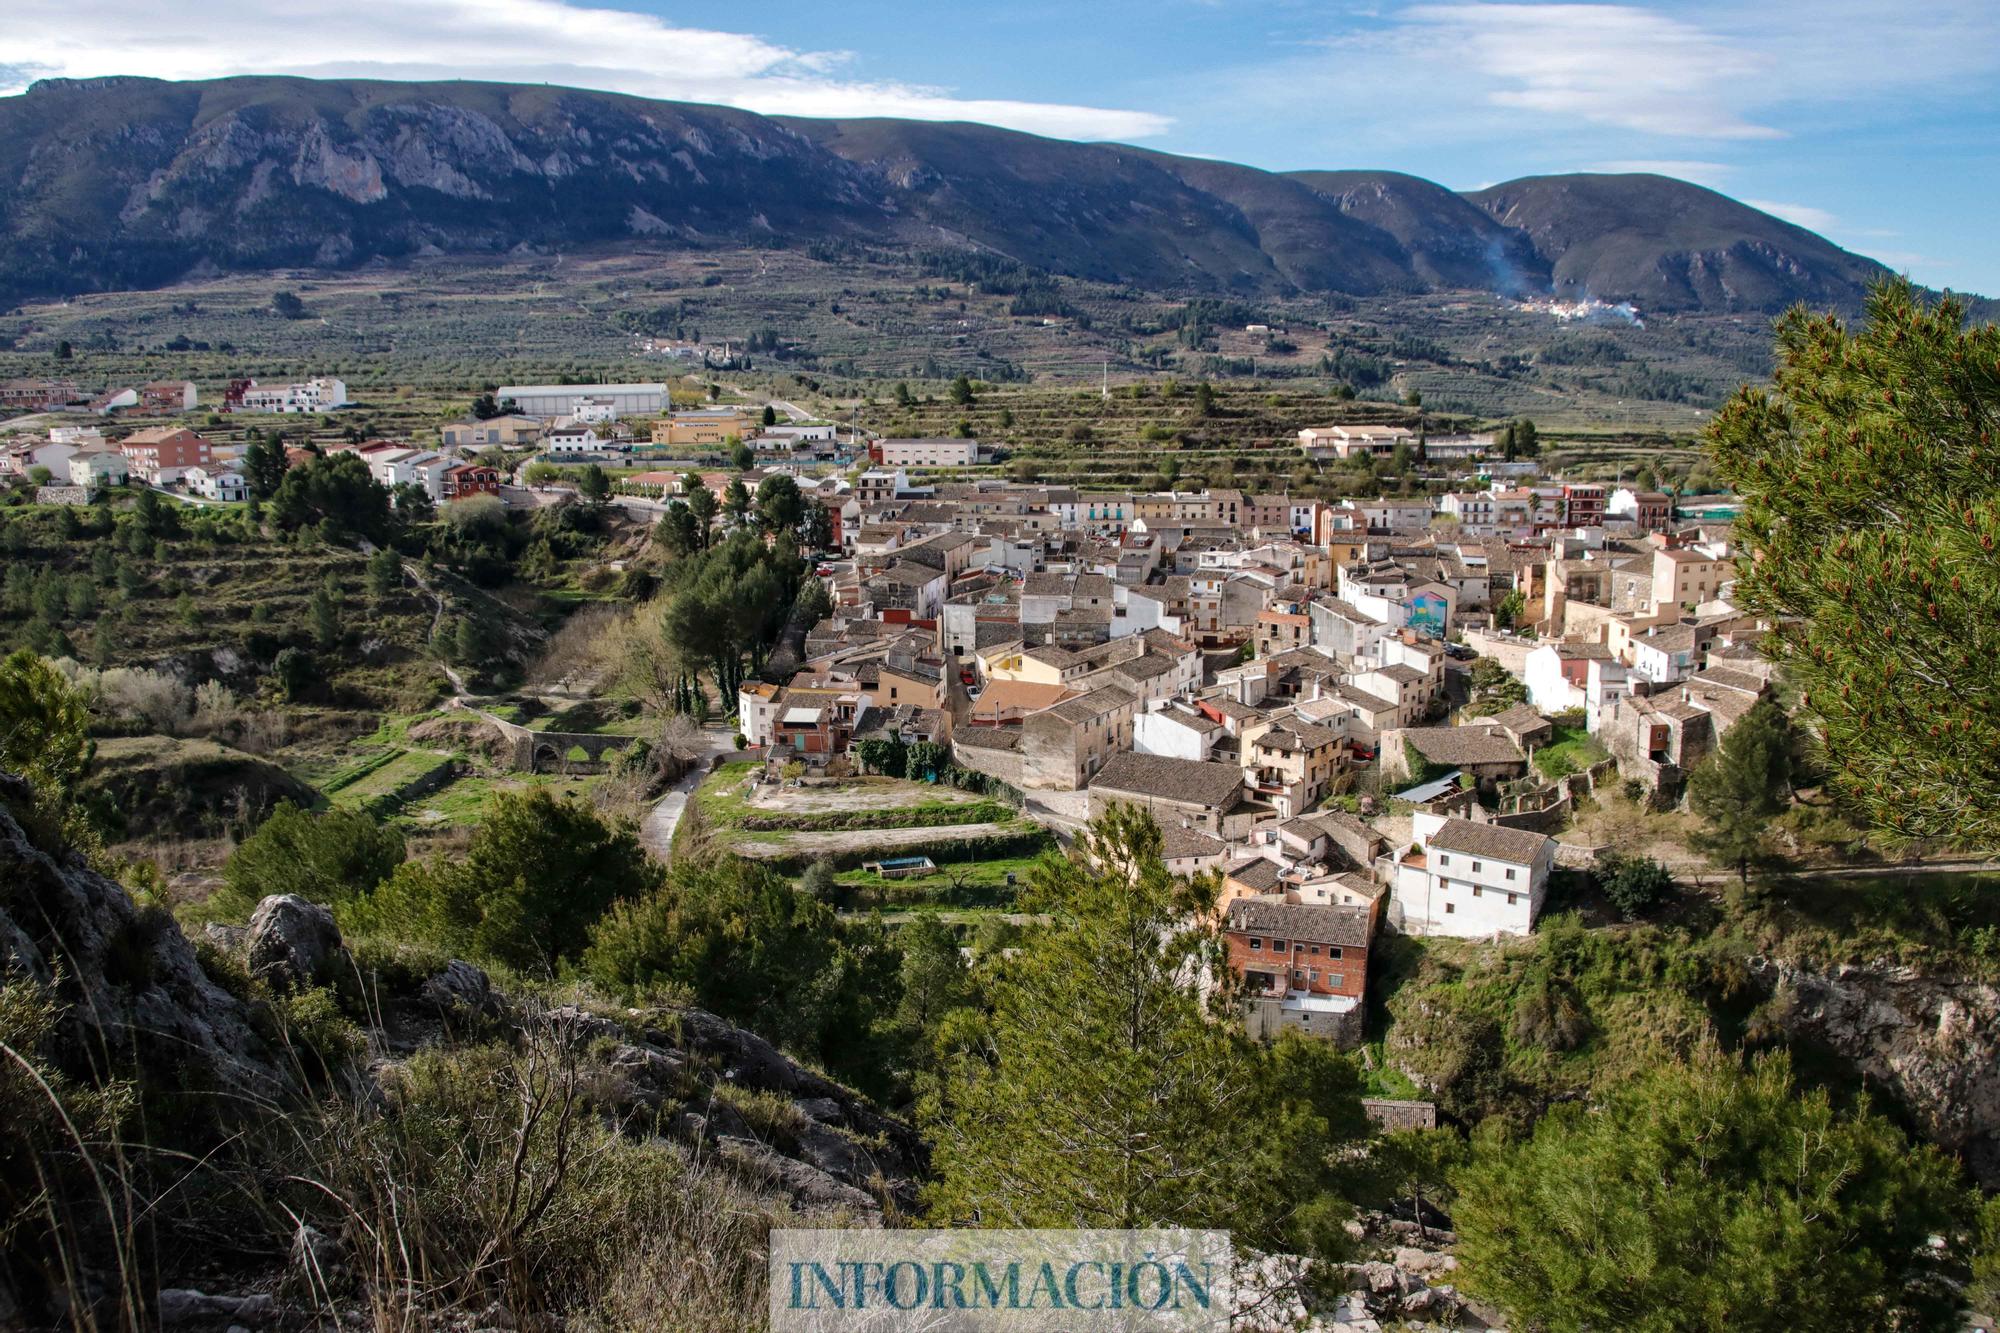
{"type": "Point", "coordinates": [656, 831]}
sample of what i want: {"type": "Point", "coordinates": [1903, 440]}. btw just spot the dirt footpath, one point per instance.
{"type": "Point", "coordinates": [868, 840]}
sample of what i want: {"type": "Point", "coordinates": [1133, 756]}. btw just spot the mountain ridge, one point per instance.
{"type": "Point", "coordinates": [129, 182]}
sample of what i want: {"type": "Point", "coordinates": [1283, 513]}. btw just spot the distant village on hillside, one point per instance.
{"type": "Point", "coordinates": [1357, 712]}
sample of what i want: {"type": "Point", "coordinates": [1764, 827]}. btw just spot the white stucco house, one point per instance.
{"type": "Point", "coordinates": [1175, 730]}
{"type": "Point", "coordinates": [1470, 880]}
{"type": "Point", "coordinates": [572, 440]}
{"type": "Point", "coordinates": [216, 483]}
{"type": "Point", "coordinates": [91, 468]}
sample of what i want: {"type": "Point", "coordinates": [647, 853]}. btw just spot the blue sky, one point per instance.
{"type": "Point", "coordinates": [1875, 124]}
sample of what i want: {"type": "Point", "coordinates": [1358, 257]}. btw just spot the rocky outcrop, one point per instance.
{"type": "Point", "coordinates": [134, 996]}
{"type": "Point", "coordinates": [1401, 1277]}
{"type": "Point", "coordinates": [1932, 1042]}
{"type": "Point", "coordinates": [825, 1148]}
{"type": "Point", "coordinates": [291, 943]}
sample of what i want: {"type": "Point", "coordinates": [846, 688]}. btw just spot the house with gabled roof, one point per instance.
{"type": "Point", "coordinates": [1065, 744]}
{"type": "Point", "coordinates": [1470, 879]}
{"type": "Point", "coordinates": [1302, 967]}
{"type": "Point", "coordinates": [1480, 749]}
{"type": "Point", "coordinates": [1294, 763]}
{"type": "Point", "coordinates": [1183, 792]}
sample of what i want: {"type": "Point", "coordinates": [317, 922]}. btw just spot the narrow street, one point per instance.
{"type": "Point", "coordinates": [656, 831]}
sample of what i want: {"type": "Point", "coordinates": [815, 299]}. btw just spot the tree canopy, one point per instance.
{"type": "Point", "coordinates": [1709, 1196]}
{"type": "Point", "coordinates": [780, 506]}
{"type": "Point", "coordinates": [524, 892]}
{"type": "Point", "coordinates": [44, 737]}
{"type": "Point", "coordinates": [1103, 1092]}
{"type": "Point", "coordinates": [1743, 786]}
{"type": "Point", "coordinates": [329, 858]}
{"type": "Point", "coordinates": [1870, 480]}
{"type": "Point", "coordinates": [338, 491]}
{"type": "Point", "coordinates": [738, 940]}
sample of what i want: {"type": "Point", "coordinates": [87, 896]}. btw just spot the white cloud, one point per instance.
{"type": "Point", "coordinates": [1615, 65]}
{"type": "Point", "coordinates": [1799, 215]}
{"type": "Point", "coordinates": [548, 41]}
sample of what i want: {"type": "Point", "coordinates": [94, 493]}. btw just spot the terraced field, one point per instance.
{"type": "Point", "coordinates": [850, 821]}
{"type": "Point", "coordinates": [417, 341]}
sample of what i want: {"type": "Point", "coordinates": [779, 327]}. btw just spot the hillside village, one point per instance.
{"type": "Point", "coordinates": [963, 681]}
{"type": "Point", "coordinates": [1362, 714]}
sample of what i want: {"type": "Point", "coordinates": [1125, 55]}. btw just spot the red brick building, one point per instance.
{"type": "Point", "coordinates": [38, 395]}
{"type": "Point", "coordinates": [1303, 966]}
{"type": "Point", "coordinates": [471, 479]}
{"type": "Point", "coordinates": [1583, 506]}
{"type": "Point", "coordinates": [165, 452]}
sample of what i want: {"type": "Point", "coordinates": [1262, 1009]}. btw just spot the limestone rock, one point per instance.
{"type": "Point", "coordinates": [812, 1188]}
{"type": "Point", "coordinates": [292, 942]}
{"type": "Point", "coordinates": [1931, 1040]}
{"type": "Point", "coordinates": [461, 990]}
{"type": "Point", "coordinates": [131, 988]}
{"type": "Point", "coordinates": [182, 1307]}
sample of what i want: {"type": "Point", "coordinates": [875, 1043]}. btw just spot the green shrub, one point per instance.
{"type": "Point", "coordinates": [526, 891]}
{"type": "Point", "coordinates": [485, 1177]}
{"type": "Point", "coordinates": [739, 940]}
{"type": "Point", "coordinates": [329, 858]}
{"type": "Point", "coordinates": [322, 1039]}
{"type": "Point", "coordinates": [1634, 884]}
{"type": "Point", "coordinates": [772, 1117]}
{"type": "Point", "coordinates": [1712, 1195]}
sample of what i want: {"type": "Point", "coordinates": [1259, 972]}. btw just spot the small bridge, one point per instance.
{"type": "Point", "coordinates": [548, 751]}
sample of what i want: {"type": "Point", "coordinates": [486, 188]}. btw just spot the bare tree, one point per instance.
{"type": "Point", "coordinates": [680, 744]}
{"type": "Point", "coordinates": [584, 646]}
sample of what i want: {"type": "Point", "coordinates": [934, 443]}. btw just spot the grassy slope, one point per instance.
{"type": "Point", "coordinates": [1506, 1028]}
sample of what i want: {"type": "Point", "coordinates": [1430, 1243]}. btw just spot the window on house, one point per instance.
{"type": "Point", "coordinates": [1336, 980]}
{"type": "Point", "coordinates": [1475, 891]}
{"type": "Point", "coordinates": [1510, 872]}
{"type": "Point", "coordinates": [1513, 898]}
{"type": "Point", "coordinates": [1475, 867]}
{"type": "Point", "coordinates": [1443, 860]}
{"type": "Point", "coordinates": [1314, 950]}
{"type": "Point", "coordinates": [1256, 944]}
{"type": "Point", "coordinates": [1278, 945]}
{"type": "Point", "coordinates": [1449, 908]}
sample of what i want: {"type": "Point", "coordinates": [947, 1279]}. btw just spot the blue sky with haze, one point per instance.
{"type": "Point", "coordinates": [1875, 124]}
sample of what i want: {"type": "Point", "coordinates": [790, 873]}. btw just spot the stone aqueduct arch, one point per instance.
{"type": "Point", "coordinates": [533, 748]}
{"type": "Point", "coordinates": [530, 751]}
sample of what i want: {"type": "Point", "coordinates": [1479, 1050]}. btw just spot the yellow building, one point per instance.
{"type": "Point", "coordinates": [711, 427]}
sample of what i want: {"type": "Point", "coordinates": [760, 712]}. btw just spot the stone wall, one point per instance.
{"type": "Point", "coordinates": [62, 495]}
{"type": "Point", "coordinates": [1546, 809]}
{"type": "Point", "coordinates": [1509, 650]}
{"type": "Point", "coordinates": [1004, 765]}
{"type": "Point", "coordinates": [1263, 1018]}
